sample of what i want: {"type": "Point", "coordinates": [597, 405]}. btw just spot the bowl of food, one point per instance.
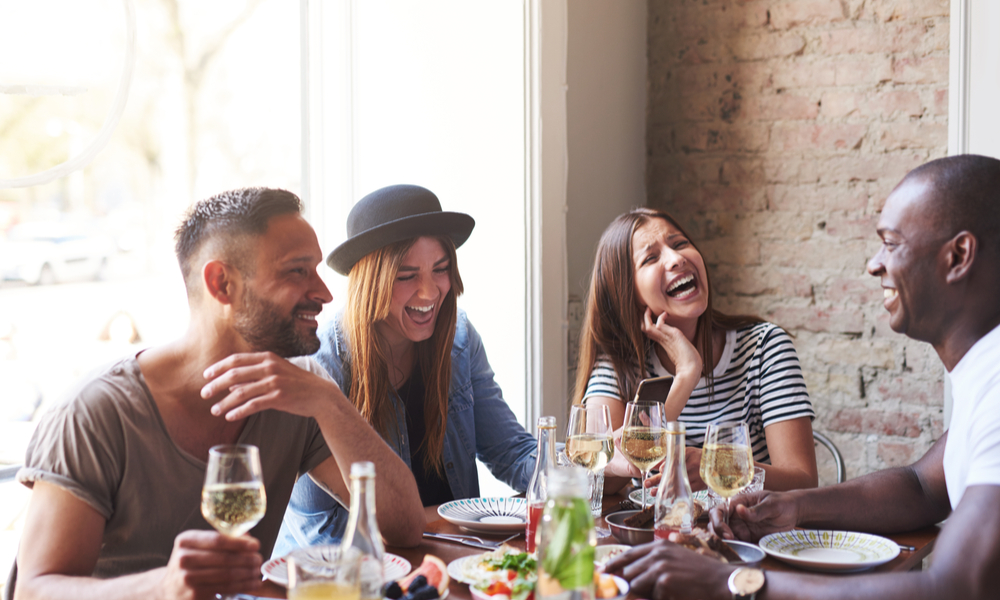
{"type": "Point", "coordinates": [629, 533]}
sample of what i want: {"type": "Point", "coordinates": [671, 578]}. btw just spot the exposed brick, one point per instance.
{"type": "Point", "coordinates": [900, 423]}
{"type": "Point", "coordinates": [774, 107]}
{"type": "Point", "coordinates": [756, 281]}
{"type": "Point", "coordinates": [731, 252]}
{"type": "Point", "coordinates": [920, 69]}
{"type": "Point", "coordinates": [706, 137]}
{"type": "Point", "coordinates": [891, 10]}
{"type": "Point", "coordinates": [883, 104]}
{"type": "Point", "coordinates": [873, 354]}
{"type": "Point", "coordinates": [794, 137]}
{"type": "Point", "coordinates": [813, 198]}
{"type": "Point", "coordinates": [911, 390]}
{"type": "Point", "coordinates": [793, 13]}
{"type": "Point", "coordinates": [848, 227]}
{"type": "Point", "coordinates": [916, 134]}
{"type": "Point", "coordinates": [940, 105]}
{"type": "Point", "coordinates": [768, 45]}
{"type": "Point", "coordinates": [729, 199]}
{"type": "Point", "coordinates": [819, 319]}
{"type": "Point", "coordinates": [873, 38]}
{"type": "Point", "coordinates": [868, 70]}
{"type": "Point", "coordinates": [897, 454]}
{"type": "Point", "coordinates": [857, 291]}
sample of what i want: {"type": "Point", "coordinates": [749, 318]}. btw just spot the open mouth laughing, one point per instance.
{"type": "Point", "coordinates": [682, 288]}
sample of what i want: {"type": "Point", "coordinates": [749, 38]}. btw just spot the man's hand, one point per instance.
{"type": "Point", "coordinates": [262, 380]}
{"type": "Point", "coordinates": [661, 570]}
{"type": "Point", "coordinates": [754, 515]}
{"type": "Point", "coordinates": [205, 563]}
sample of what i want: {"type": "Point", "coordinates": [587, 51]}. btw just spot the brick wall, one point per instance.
{"type": "Point", "coordinates": [775, 129]}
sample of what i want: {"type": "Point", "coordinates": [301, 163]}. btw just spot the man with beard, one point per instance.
{"type": "Point", "coordinates": [939, 265]}
{"type": "Point", "coordinates": [117, 471]}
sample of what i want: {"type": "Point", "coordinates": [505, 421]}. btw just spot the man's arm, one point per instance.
{"type": "Point", "coordinates": [243, 384]}
{"type": "Point", "coordinates": [62, 540]}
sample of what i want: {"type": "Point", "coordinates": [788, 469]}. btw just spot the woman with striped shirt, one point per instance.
{"type": "Point", "coordinates": [650, 304]}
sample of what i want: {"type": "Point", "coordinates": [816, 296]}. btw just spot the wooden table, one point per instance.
{"type": "Point", "coordinates": [922, 540]}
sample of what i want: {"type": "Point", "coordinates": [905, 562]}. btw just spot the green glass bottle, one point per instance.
{"type": "Point", "coordinates": [566, 538]}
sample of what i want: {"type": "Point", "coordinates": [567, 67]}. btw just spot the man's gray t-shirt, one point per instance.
{"type": "Point", "coordinates": [109, 447]}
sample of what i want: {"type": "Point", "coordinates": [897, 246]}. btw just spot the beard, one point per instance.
{"type": "Point", "coordinates": [259, 323]}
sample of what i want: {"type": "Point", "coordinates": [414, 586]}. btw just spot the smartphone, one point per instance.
{"type": "Point", "coordinates": [654, 389]}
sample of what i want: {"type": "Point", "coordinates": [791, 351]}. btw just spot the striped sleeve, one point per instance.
{"type": "Point", "coordinates": [783, 394]}
{"type": "Point", "coordinates": [603, 381]}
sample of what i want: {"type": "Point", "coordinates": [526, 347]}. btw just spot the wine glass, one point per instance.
{"type": "Point", "coordinates": [589, 445]}
{"type": "Point", "coordinates": [325, 573]}
{"type": "Point", "coordinates": [727, 459]}
{"type": "Point", "coordinates": [644, 437]}
{"type": "Point", "coordinates": [233, 498]}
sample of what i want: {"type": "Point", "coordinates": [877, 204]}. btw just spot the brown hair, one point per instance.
{"type": "Point", "coordinates": [612, 322]}
{"type": "Point", "coordinates": [369, 294]}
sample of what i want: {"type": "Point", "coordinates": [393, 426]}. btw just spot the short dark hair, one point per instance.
{"type": "Point", "coordinates": [966, 196]}
{"type": "Point", "coordinates": [228, 219]}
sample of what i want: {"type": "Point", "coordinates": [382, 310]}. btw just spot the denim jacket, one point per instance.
{"type": "Point", "coordinates": [479, 424]}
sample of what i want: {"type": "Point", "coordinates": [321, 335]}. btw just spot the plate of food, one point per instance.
{"type": "Point", "coordinates": [487, 515]}
{"type": "Point", "coordinates": [276, 569]}
{"type": "Point", "coordinates": [830, 551]}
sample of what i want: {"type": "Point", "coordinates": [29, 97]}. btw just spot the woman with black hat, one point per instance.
{"type": "Point", "coordinates": [410, 361]}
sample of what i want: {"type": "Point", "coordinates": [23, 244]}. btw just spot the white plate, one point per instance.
{"type": "Point", "coordinates": [487, 515]}
{"type": "Point", "coordinates": [602, 554]}
{"type": "Point", "coordinates": [702, 497]}
{"type": "Point", "coordinates": [276, 569]}
{"type": "Point", "coordinates": [456, 568]}
{"type": "Point", "coordinates": [831, 551]}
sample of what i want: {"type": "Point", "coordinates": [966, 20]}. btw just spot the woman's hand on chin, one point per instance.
{"type": "Point", "coordinates": [681, 352]}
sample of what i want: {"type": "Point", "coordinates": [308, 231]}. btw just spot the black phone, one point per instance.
{"type": "Point", "coordinates": [654, 389]}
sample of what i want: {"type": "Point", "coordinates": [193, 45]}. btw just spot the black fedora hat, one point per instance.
{"type": "Point", "coordinates": [393, 214]}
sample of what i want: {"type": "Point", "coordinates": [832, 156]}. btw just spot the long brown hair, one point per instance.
{"type": "Point", "coordinates": [369, 294]}
{"type": "Point", "coordinates": [612, 322]}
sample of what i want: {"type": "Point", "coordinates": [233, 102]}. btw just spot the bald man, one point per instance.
{"type": "Point", "coordinates": [939, 265]}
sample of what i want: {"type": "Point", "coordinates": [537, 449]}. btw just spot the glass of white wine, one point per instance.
{"type": "Point", "coordinates": [589, 444]}
{"type": "Point", "coordinates": [727, 459]}
{"type": "Point", "coordinates": [324, 573]}
{"type": "Point", "coordinates": [644, 437]}
{"type": "Point", "coordinates": [233, 498]}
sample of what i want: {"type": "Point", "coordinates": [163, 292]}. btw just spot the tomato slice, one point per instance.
{"type": "Point", "coordinates": [498, 587]}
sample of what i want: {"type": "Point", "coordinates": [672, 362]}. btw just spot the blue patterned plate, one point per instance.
{"type": "Point", "coordinates": [824, 550]}
{"type": "Point", "coordinates": [487, 515]}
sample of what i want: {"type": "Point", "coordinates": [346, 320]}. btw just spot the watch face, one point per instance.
{"type": "Point", "coordinates": [748, 581]}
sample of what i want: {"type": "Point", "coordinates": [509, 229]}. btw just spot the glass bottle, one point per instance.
{"type": "Point", "coordinates": [674, 501]}
{"type": "Point", "coordinates": [566, 538]}
{"type": "Point", "coordinates": [538, 486]}
{"type": "Point", "coordinates": [362, 530]}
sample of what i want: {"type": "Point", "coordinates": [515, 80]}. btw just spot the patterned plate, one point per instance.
{"type": "Point", "coordinates": [823, 550]}
{"type": "Point", "coordinates": [486, 515]}
{"type": "Point", "coordinates": [276, 569]}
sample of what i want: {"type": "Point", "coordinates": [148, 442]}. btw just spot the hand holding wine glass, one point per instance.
{"type": "Point", "coordinates": [727, 459]}
{"type": "Point", "coordinates": [644, 437]}
{"type": "Point", "coordinates": [233, 499]}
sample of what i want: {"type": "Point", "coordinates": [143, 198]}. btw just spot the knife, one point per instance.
{"type": "Point", "coordinates": [447, 538]}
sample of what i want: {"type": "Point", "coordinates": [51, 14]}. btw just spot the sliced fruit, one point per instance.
{"type": "Point", "coordinates": [434, 569]}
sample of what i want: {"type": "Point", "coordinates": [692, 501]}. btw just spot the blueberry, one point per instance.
{"type": "Point", "coordinates": [427, 592]}
{"type": "Point", "coordinates": [392, 591]}
{"type": "Point", "coordinates": [418, 582]}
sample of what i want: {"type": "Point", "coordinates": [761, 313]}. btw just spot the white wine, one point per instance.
{"type": "Point", "coordinates": [644, 447]}
{"type": "Point", "coordinates": [592, 451]}
{"type": "Point", "coordinates": [726, 468]}
{"type": "Point", "coordinates": [324, 590]}
{"type": "Point", "coordinates": [233, 508]}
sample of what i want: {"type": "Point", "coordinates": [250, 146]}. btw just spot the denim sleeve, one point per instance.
{"type": "Point", "coordinates": [312, 517]}
{"type": "Point", "coordinates": [503, 445]}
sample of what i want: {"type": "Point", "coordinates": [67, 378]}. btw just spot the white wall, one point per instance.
{"type": "Point", "coordinates": [606, 113]}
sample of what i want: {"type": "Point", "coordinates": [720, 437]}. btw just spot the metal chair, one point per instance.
{"type": "Point", "coordinates": [819, 438]}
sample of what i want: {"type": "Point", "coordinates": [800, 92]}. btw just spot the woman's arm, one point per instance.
{"type": "Point", "coordinates": [793, 455]}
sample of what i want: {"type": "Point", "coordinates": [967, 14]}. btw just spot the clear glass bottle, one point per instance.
{"type": "Point", "coordinates": [674, 502]}
{"type": "Point", "coordinates": [538, 486]}
{"type": "Point", "coordinates": [566, 538]}
{"type": "Point", "coordinates": [362, 530]}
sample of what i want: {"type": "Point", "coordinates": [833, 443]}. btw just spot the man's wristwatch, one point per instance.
{"type": "Point", "coordinates": [744, 583]}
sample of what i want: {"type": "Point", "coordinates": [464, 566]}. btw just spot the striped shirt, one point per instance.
{"type": "Point", "coordinates": [758, 380]}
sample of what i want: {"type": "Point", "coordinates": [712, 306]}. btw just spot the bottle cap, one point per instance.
{"type": "Point", "coordinates": [363, 469]}
{"type": "Point", "coordinates": [546, 422]}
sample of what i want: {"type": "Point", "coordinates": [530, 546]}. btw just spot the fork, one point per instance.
{"type": "Point", "coordinates": [470, 540]}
